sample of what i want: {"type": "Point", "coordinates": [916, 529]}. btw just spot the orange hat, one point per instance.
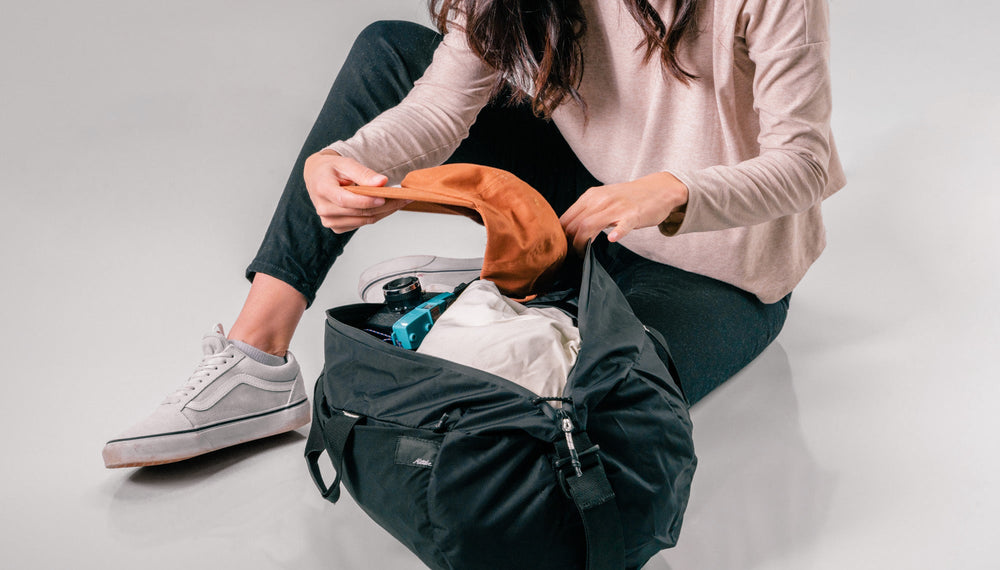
{"type": "Point", "coordinates": [525, 244]}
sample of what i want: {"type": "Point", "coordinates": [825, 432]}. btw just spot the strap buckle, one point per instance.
{"type": "Point", "coordinates": [565, 469]}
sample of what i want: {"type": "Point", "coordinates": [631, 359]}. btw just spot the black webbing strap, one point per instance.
{"type": "Point", "coordinates": [595, 500]}
{"type": "Point", "coordinates": [329, 434]}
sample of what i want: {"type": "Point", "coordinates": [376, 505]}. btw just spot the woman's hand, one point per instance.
{"type": "Point", "coordinates": [340, 210]}
{"type": "Point", "coordinates": [644, 202]}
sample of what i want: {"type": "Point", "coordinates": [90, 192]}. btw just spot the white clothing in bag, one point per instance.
{"type": "Point", "coordinates": [532, 346]}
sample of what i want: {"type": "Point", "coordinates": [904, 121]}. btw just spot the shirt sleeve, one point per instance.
{"type": "Point", "coordinates": [788, 43]}
{"type": "Point", "coordinates": [430, 122]}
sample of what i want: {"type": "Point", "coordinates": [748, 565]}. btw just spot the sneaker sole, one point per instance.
{"type": "Point", "coordinates": [178, 446]}
{"type": "Point", "coordinates": [437, 274]}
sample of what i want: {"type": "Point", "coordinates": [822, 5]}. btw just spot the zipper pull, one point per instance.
{"type": "Point", "coordinates": [442, 424]}
{"type": "Point", "coordinates": [566, 424]}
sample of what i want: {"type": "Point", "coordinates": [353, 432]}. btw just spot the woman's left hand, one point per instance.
{"type": "Point", "coordinates": [644, 202]}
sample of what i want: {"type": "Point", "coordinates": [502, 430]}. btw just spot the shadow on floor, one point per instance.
{"type": "Point", "coordinates": [195, 470]}
{"type": "Point", "coordinates": [226, 495]}
{"type": "Point", "coordinates": [759, 494]}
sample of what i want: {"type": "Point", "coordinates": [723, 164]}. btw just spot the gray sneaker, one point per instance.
{"type": "Point", "coordinates": [436, 274]}
{"type": "Point", "coordinates": [229, 399]}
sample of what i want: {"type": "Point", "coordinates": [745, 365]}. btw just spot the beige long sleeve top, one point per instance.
{"type": "Point", "coordinates": [750, 138]}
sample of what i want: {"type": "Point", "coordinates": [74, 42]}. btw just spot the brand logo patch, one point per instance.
{"type": "Point", "coordinates": [416, 452]}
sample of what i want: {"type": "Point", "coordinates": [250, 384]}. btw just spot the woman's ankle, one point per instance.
{"type": "Point", "coordinates": [269, 316]}
{"type": "Point", "coordinates": [266, 343]}
{"type": "Point", "coordinates": [257, 354]}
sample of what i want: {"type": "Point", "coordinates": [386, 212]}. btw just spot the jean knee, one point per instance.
{"type": "Point", "coordinates": [385, 29]}
{"type": "Point", "coordinates": [392, 35]}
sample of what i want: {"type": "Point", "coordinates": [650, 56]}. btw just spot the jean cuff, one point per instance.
{"type": "Point", "coordinates": [308, 291]}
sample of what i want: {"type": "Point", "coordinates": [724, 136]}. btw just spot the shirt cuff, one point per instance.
{"type": "Point", "coordinates": [669, 228]}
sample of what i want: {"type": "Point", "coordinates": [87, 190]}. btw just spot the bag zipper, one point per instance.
{"type": "Point", "coordinates": [566, 425]}
{"type": "Point", "coordinates": [560, 416]}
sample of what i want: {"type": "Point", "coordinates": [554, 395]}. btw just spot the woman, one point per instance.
{"type": "Point", "coordinates": [696, 132]}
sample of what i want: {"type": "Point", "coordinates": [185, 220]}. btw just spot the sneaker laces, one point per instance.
{"type": "Point", "coordinates": [208, 365]}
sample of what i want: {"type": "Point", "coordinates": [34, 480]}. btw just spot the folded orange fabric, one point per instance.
{"type": "Point", "coordinates": [525, 244]}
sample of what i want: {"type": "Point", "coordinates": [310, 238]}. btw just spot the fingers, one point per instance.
{"type": "Point", "coordinates": [620, 230]}
{"type": "Point", "coordinates": [572, 223]}
{"type": "Point", "coordinates": [350, 171]}
{"type": "Point", "coordinates": [346, 172]}
{"type": "Point", "coordinates": [326, 173]}
{"type": "Point", "coordinates": [344, 224]}
{"type": "Point", "coordinates": [388, 207]}
{"type": "Point", "coordinates": [343, 198]}
{"type": "Point", "coordinates": [594, 212]}
{"type": "Point", "coordinates": [582, 232]}
{"type": "Point", "coordinates": [656, 199]}
{"type": "Point", "coordinates": [342, 220]}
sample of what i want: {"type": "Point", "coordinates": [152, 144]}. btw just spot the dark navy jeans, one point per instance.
{"type": "Point", "coordinates": [713, 329]}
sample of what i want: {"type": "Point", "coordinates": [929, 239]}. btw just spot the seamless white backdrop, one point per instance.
{"type": "Point", "coordinates": [143, 146]}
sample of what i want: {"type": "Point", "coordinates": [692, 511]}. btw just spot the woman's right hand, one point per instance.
{"type": "Point", "coordinates": [326, 172]}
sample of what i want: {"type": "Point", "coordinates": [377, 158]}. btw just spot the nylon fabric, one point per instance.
{"type": "Point", "coordinates": [492, 497]}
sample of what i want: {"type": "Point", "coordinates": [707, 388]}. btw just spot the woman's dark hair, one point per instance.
{"type": "Point", "coordinates": [543, 40]}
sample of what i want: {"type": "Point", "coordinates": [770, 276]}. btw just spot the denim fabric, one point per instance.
{"type": "Point", "coordinates": [712, 329]}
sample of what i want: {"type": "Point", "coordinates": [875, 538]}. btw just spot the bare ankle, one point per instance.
{"type": "Point", "coordinates": [269, 316]}
{"type": "Point", "coordinates": [266, 344]}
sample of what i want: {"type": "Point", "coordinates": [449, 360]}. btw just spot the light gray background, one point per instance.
{"type": "Point", "coordinates": [144, 144]}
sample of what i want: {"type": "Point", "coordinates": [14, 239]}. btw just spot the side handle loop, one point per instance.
{"type": "Point", "coordinates": [329, 434]}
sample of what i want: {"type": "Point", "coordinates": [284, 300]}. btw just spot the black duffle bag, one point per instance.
{"type": "Point", "coordinates": [471, 471]}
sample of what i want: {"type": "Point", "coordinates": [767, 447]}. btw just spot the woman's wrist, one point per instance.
{"type": "Point", "coordinates": [676, 196]}
{"type": "Point", "coordinates": [329, 152]}
{"type": "Point", "coordinates": [675, 192]}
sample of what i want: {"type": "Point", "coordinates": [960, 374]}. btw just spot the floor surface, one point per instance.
{"type": "Point", "coordinates": [143, 146]}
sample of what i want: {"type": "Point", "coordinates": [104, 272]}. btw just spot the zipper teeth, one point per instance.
{"type": "Point", "coordinates": [380, 420]}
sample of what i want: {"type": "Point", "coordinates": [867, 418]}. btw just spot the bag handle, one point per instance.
{"type": "Point", "coordinates": [594, 498]}
{"type": "Point", "coordinates": [329, 434]}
